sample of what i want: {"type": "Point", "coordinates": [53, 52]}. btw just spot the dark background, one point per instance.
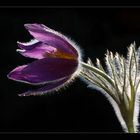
{"type": "Point", "coordinates": [76, 109]}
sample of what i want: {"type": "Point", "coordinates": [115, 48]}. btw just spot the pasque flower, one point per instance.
{"type": "Point", "coordinates": [56, 64]}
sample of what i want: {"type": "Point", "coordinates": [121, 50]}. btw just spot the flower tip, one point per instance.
{"type": "Point", "coordinates": [30, 26]}
{"type": "Point", "coordinates": [20, 50]}
{"type": "Point", "coordinates": [21, 95]}
{"type": "Point", "coordinates": [9, 75]}
{"type": "Point", "coordinates": [18, 42]}
{"type": "Point", "coordinates": [27, 24]}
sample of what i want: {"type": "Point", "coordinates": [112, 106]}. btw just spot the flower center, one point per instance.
{"type": "Point", "coordinates": [60, 54]}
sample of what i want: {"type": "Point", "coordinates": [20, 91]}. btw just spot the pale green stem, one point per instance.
{"type": "Point", "coordinates": [128, 116]}
{"type": "Point", "coordinates": [130, 123]}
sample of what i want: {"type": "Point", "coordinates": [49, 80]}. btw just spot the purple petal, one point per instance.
{"type": "Point", "coordinates": [36, 50]}
{"type": "Point", "coordinates": [44, 70]}
{"type": "Point", "coordinates": [47, 88]}
{"type": "Point", "coordinates": [52, 38]}
{"type": "Point", "coordinates": [29, 45]}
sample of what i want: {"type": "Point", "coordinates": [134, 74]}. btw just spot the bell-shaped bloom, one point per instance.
{"type": "Point", "coordinates": [56, 64]}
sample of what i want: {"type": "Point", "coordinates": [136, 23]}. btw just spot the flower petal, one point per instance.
{"type": "Point", "coordinates": [44, 70]}
{"type": "Point", "coordinates": [28, 45]}
{"type": "Point", "coordinates": [52, 38]}
{"type": "Point", "coordinates": [37, 50]}
{"type": "Point", "coordinates": [47, 88]}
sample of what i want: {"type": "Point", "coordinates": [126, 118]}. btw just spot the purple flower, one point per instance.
{"type": "Point", "coordinates": [57, 60]}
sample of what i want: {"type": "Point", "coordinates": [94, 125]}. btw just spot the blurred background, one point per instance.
{"type": "Point", "coordinates": [77, 108]}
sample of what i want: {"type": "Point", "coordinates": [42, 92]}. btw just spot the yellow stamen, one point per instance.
{"type": "Point", "coordinates": [60, 54]}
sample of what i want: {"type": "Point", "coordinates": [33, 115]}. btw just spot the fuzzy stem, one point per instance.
{"type": "Point", "coordinates": [130, 126]}
{"type": "Point", "coordinates": [128, 116]}
{"type": "Point", "coordinates": [128, 113]}
{"type": "Point", "coordinates": [130, 123]}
